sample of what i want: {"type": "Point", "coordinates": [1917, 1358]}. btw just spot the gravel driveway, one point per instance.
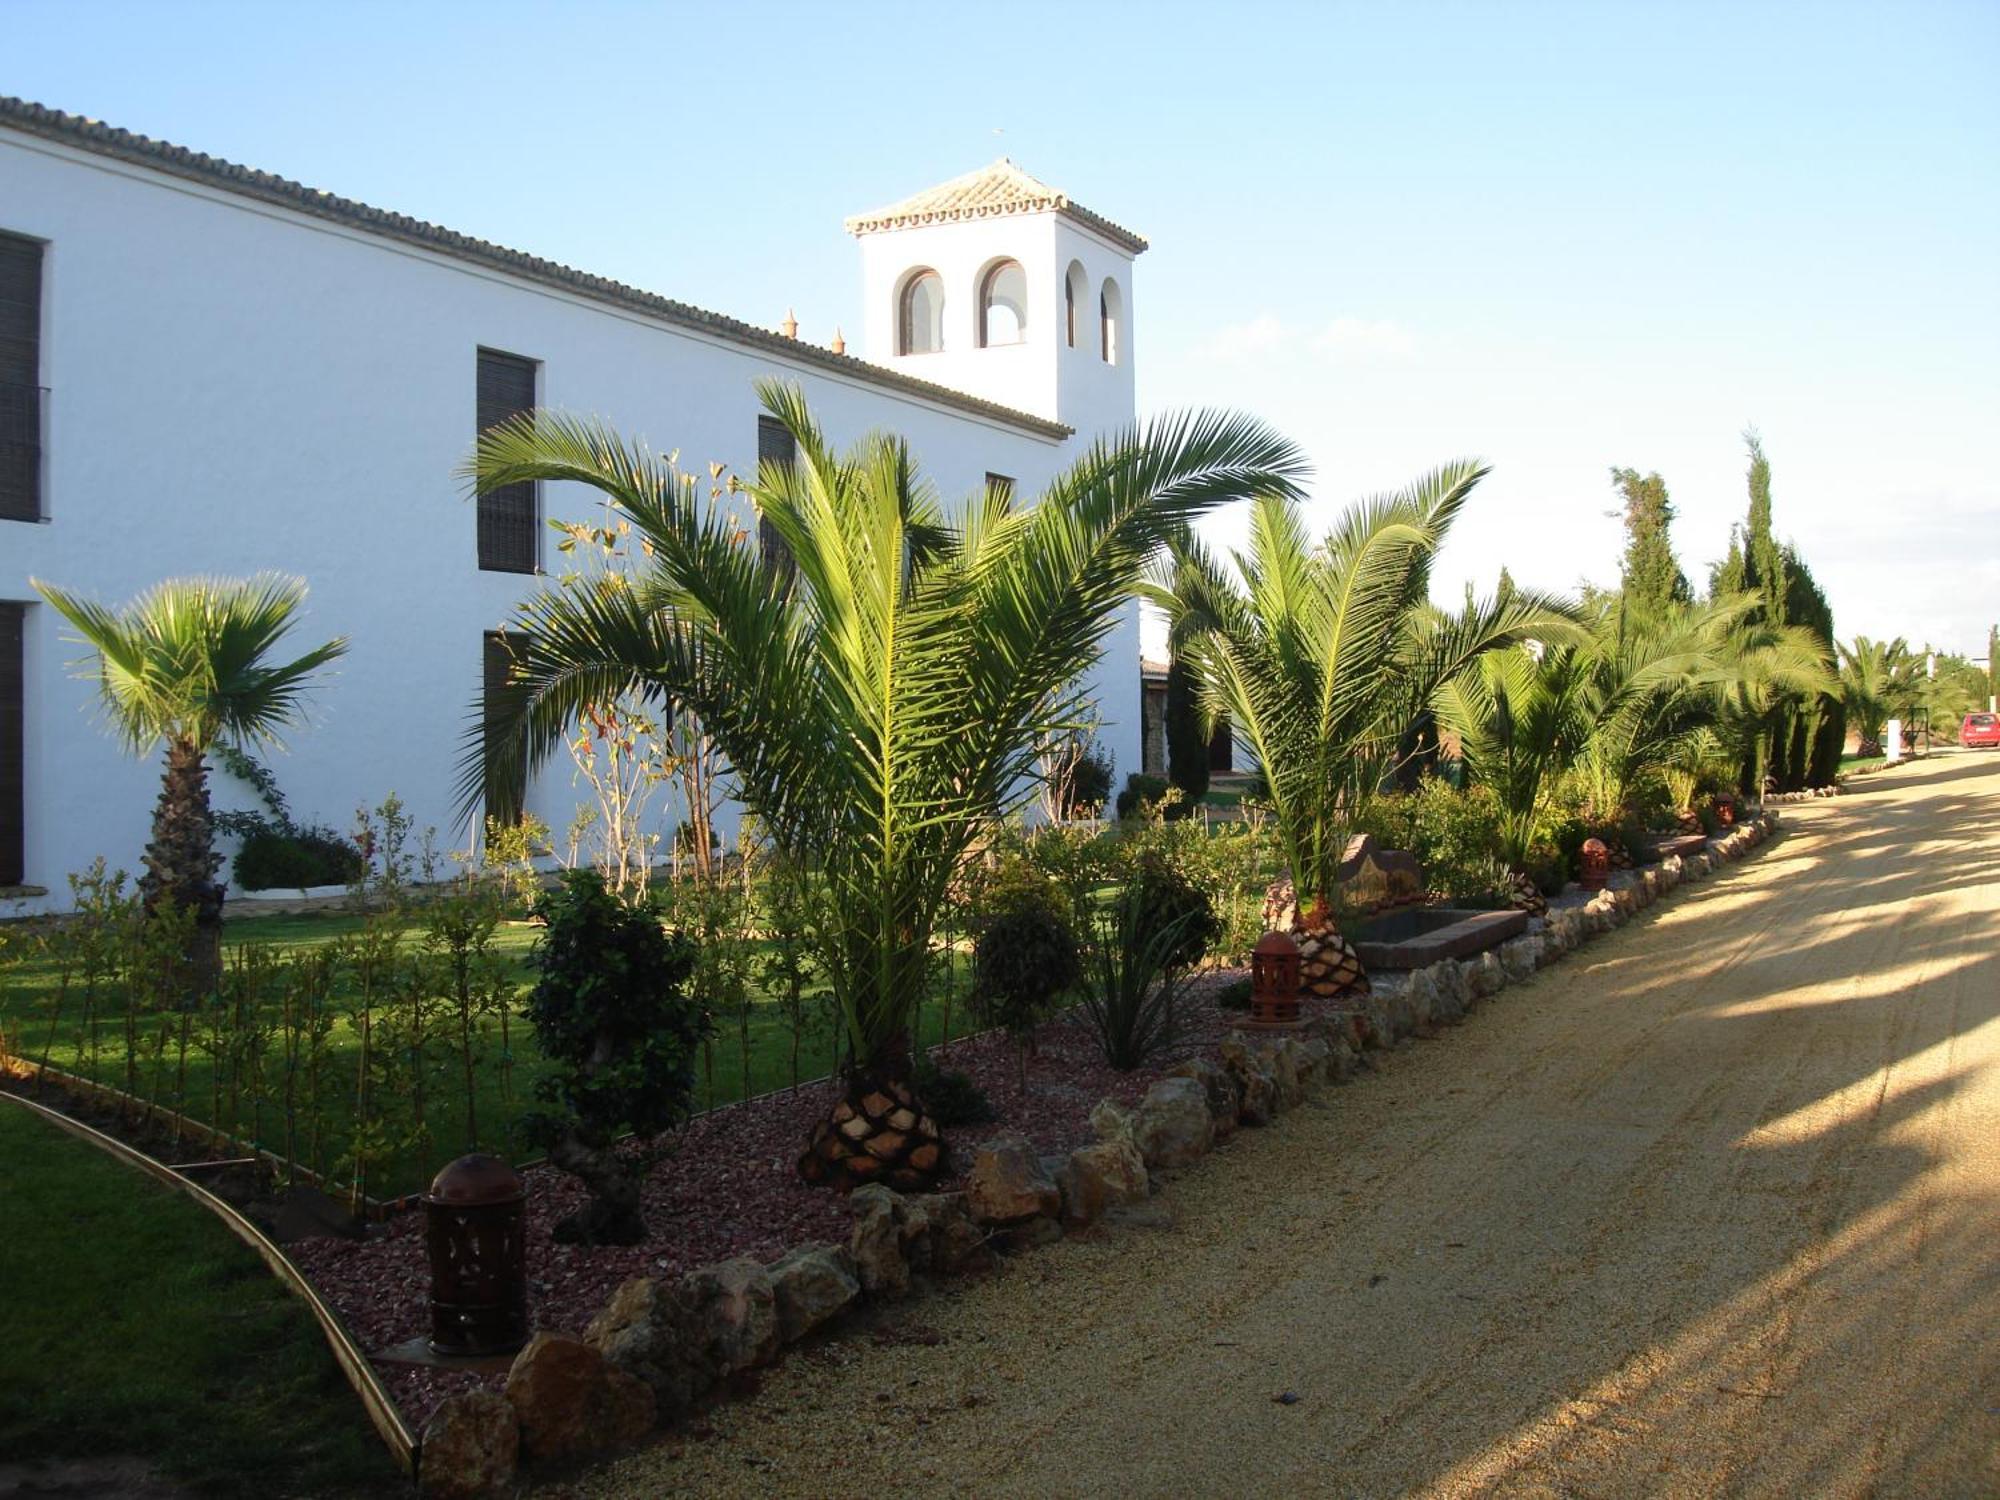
{"type": "Point", "coordinates": [1712, 1208]}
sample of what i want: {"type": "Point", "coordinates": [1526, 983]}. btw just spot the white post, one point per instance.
{"type": "Point", "coordinates": [1892, 741]}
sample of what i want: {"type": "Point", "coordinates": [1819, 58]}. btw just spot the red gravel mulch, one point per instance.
{"type": "Point", "coordinates": [730, 1187]}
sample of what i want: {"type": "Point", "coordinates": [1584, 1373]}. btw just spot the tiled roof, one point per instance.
{"type": "Point", "coordinates": [1001, 188]}
{"type": "Point", "coordinates": [123, 145]}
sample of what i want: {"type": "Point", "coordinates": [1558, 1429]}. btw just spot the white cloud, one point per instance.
{"type": "Point", "coordinates": [1364, 338]}
{"type": "Point", "coordinates": [1264, 334]}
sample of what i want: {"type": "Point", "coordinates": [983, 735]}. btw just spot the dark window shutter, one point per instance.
{"type": "Point", "coordinates": [13, 747]}
{"type": "Point", "coordinates": [1002, 484]}
{"type": "Point", "coordinates": [20, 378]}
{"type": "Point", "coordinates": [775, 445]}
{"type": "Point", "coordinates": [509, 519]}
{"type": "Point", "coordinates": [503, 803]}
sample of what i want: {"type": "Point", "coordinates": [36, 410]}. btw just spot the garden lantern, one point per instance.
{"type": "Point", "coordinates": [1274, 981]}
{"type": "Point", "coordinates": [1725, 811]}
{"type": "Point", "coordinates": [1594, 865]}
{"type": "Point", "coordinates": [475, 1226]}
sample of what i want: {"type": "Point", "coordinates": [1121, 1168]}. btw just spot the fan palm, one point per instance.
{"type": "Point", "coordinates": [1325, 655]}
{"type": "Point", "coordinates": [881, 685]}
{"type": "Point", "coordinates": [185, 665]}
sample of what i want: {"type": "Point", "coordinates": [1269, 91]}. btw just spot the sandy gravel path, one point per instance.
{"type": "Point", "coordinates": [1712, 1208]}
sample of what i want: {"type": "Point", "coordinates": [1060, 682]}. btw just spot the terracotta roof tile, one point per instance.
{"type": "Point", "coordinates": [997, 189]}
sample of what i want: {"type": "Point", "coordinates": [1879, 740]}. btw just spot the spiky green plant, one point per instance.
{"type": "Point", "coordinates": [186, 665]}
{"type": "Point", "coordinates": [1323, 655]}
{"type": "Point", "coordinates": [1519, 715]}
{"type": "Point", "coordinates": [882, 690]}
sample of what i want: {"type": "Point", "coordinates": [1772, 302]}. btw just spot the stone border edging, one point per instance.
{"type": "Point", "coordinates": [658, 1350]}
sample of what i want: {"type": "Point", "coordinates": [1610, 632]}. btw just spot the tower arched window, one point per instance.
{"type": "Point", "coordinates": [920, 314]}
{"type": "Point", "coordinates": [1003, 305]}
{"type": "Point", "coordinates": [1110, 317]}
{"type": "Point", "coordinates": [1076, 296]}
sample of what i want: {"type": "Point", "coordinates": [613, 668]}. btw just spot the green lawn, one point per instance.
{"type": "Point", "coordinates": [758, 1044]}
{"type": "Point", "coordinates": [136, 1325]}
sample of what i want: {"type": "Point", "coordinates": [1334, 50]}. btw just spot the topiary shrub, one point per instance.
{"type": "Point", "coordinates": [273, 859]}
{"type": "Point", "coordinates": [1140, 789]}
{"type": "Point", "coordinates": [1023, 958]}
{"type": "Point", "coordinates": [1090, 783]}
{"type": "Point", "coordinates": [951, 1096]}
{"type": "Point", "coordinates": [613, 1018]}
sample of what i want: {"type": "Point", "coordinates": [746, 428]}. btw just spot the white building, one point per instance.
{"type": "Point", "coordinates": [209, 369]}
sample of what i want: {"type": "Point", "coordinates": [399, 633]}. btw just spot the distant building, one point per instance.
{"type": "Point", "coordinates": [210, 369]}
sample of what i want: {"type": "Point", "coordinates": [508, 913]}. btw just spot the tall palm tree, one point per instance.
{"type": "Point", "coordinates": [880, 686]}
{"type": "Point", "coordinates": [1324, 655]}
{"type": "Point", "coordinates": [184, 665]}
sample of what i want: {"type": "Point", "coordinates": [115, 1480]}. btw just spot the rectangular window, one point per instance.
{"type": "Point", "coordinates": [20, 378]}
{"type": "Point", "coordinates": [775, 445]}
{"type": "Point", "coordinates": [510, 518]}
{"type": "Point", "coordinates": [1000, 484]}
{"type": "Point", "coordinates": [503, 793]}
{"type": "Point", "coordinates": [13, 747]}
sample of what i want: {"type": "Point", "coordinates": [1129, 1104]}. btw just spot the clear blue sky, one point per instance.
{"type": "Point", "coordinates": [1560, 237]}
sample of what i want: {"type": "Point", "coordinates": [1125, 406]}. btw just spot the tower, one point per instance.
{"type": "Point", "coordinates": [1000, 286]}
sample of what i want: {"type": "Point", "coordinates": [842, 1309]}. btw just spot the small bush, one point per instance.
{"type": "Point", "coordinates": [1234, 995]}
{"type": "Point", "coordinates": [951, 1097]}
{"type": "Point", "coordinates": [1456, 838]}
{"type": "Point", "coordinates": [1023, 958]}
{"type": "Point", "coordinates": [1134, 982]}
{"type": "Point", "coordinates": [1140, 790]}
{"type": "Point", "coordinates": [1090, 783]}
{"type": "Point", "coordinates": [274, 859]}
{"type": "Point", "coordinates": [1168, 899]}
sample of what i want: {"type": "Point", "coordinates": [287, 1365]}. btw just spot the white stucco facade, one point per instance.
{"type": "Point", "coordinates": [238, 382]}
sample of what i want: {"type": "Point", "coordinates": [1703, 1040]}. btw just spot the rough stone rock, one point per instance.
{"type": "Point", "coordinates": [1519, 957]}
{"type": "Point", "coordinates": [883, 1225]}
{"type": "Point", "coordinates": [1028, 1234]}
{"type": "Point", "coordinates": [1451, 991]}
{"type": "Point", "coordinates": [1172, 1126]}
{"type": "Point", "coordinates": [1223, 1099]}
{"type": "Point", "coordinates": [1096, 1178]}
{"type": "Point", "coordinates": [1111, 1120]}
{"type": "Point", "coordinates": [1312, 1058]}
{"type": "Point", "coordinates": [1254, 1083]}
{"type": "Point", "coordinates": [1421, 989]}
{"type": "Point", "coordinates": [1007, 1185]}
{"type": "Point", "coordinates": [957, 1245]}
{"type": "Point", "coordinates": [471, 1446]}
{"type": "Point", "coordinates": [1487, 977]}
{"type": "Point", "coordinates": [732, 1314]}
{"type": "Point", "coordinates": [570, 1400]}
{"type": "Point", "coordinates": [812, 1284]}
{"type": "Point", "coordinates": [642, 1330]}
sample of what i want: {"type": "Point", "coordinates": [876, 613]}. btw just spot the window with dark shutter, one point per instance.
{"type": "Point", "coordinates": [1000, 484]}
{"type": "Point", "coordinates": [775, 445]}
{"type": "Point", "coordinates": [13, 747]}
{"type": "Point", "coordinates": [503, 792]}
{"type": "Point", "coordinates": [20, 378]}
{"type": "Point", "coordinates": [510, 518]}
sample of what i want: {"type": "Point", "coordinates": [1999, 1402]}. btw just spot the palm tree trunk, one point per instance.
{"type": "Point", "coordinates": [181, 860]}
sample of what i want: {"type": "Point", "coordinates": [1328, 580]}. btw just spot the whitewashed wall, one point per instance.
{"type": "Point", "coordinates": [235, 387]}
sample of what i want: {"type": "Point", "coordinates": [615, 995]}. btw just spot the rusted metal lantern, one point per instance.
{"type": "Point", "coordinates": [1594, 865]}
{"type": "Point", "coordinates": [1274, 981]}
{"type": "Point", "coordinates": [1725, 811]}
{"type": "Point", "coordinates": [475, 1226]}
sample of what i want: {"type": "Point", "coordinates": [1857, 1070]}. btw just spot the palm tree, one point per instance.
{"type": "Point", "coordinates": [1879, 680]}
{"type": "Point", "coordinates": [1519, 715]}
{"type": "Point", "coordinates": [184, 665]}
{"type": "Point", "coordinates": [1324, 657]}
{"type": "Point", "coordinates": [881, 685]}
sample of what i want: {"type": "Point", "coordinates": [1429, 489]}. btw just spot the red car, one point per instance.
{"type": "Point", "coordinates": [1980, 729]}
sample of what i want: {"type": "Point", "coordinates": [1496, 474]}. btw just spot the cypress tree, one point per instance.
{"type": "Point", "coordinates": [1651, 576]}
{"type": "Point", "coordinates": [1187, 743]}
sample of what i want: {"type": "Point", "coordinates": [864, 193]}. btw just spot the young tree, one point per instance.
{"type": "Point", "coordinates": [185, 665]}
{"type": "Point", "coordinates": [881, 686]}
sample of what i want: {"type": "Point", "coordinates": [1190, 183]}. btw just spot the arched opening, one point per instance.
{"type": "Point", "coordinates": [1003, 305]}
{"type": "Point", "coordinates": [920, 314]}
{"type": "Point", "coordinates": [1076, 296]}
{"type": "Point", "coordinates": [1110, 318]}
